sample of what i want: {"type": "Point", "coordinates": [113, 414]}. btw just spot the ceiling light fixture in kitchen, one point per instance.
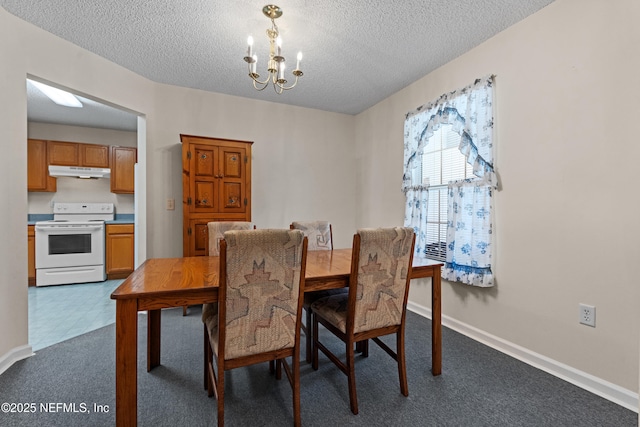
{"type": "Point", "coordinates": [58, 96]}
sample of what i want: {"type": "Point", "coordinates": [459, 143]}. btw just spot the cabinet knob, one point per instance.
{"type": "Point", "coordinates": [203, 156]}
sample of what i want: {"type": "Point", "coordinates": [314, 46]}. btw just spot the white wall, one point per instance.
{"type": "Point", "coordinates": [81, 134]}
{"type": "Point", "coordinates": [302, 158]}
{"type": "Point", "coordinates": [74, 190]}
{"type": "Point", "coordinates": [566, 229]}
{"type": "Point", "coordinates": [301, 168]}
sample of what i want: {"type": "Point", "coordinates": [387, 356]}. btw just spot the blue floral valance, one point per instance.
{"type": "Point", "coordinates": [470, 112]}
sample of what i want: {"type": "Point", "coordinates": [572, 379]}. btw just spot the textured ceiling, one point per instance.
{"type": "Point", "coordinates": [356, 53]}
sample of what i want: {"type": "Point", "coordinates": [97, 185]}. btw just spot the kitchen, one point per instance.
{"type": "Point", "coordinates": [81, 207]}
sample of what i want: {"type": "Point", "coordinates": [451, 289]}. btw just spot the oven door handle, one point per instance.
{"type": "Point", "coordinates": [68, 228]}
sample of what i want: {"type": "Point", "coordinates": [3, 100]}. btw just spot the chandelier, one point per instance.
{"type": "Point", "coordinates": [276, 62]}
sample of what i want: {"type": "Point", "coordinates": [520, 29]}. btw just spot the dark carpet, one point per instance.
{"type": "Point", "coordinates": [62, 384]}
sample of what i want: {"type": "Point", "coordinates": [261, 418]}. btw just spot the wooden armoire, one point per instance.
{"type": "Point", "coordinates": [216, 186]}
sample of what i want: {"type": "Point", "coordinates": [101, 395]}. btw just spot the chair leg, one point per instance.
{"type": "Point", "coordinates": [402, 366]}
{"type": "Point", "coordinates": [220, 388]}
{"type": "Point", "coordinates": [209, 372]}
{"type": "Point", "coordinates": [206, 354]}
{"type": "Point", "coordinates": [184, 310]}
{"type": "Point", "coordinates": [351, 376]}
{"type": "Point", "coordinates": [278, 369]}
{"type": "Point", "coordinates": [295, 389]}
{"type": "Point", "coordinates": [308, 335]}
{"type": "Point", "coordinates": [314, 363]}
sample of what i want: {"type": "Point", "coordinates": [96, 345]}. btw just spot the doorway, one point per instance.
{"type": "Point", "coordinates": [97, 122]}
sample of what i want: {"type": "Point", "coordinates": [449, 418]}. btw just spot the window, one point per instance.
{"type": "Point", "coordinates": [441, 162]}
{"type": "Point", "coordinates": [448, 206]}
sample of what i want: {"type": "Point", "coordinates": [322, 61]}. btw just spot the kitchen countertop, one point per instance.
{"type": "Point", "coordinates": [122, 219]}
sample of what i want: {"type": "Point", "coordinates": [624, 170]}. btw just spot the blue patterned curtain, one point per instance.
{"type": "Point", "coordinates": [469, 231]}
{"type": "Point", "coordinates": [469, 225]}
{"type": "Point", "coordinates": [417, 195]}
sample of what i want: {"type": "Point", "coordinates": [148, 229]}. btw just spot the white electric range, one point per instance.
{"type": "Point", "coordinates": [71, 247]}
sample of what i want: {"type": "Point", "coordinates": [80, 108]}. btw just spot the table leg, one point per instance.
{"type": "Point", "coordinates": [153, 339]}
{"type": "Point", "coordinates": [436, 323]}
{"type": "Point", "coordinates": [126, 362]}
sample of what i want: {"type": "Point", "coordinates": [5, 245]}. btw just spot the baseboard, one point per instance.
{"type": "Point", "coordinates": [614, 393]}
{"type": "Point", "coordinates": [13, 356]}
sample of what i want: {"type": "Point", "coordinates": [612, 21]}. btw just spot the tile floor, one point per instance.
{"type": "Point", "coordinates": [57, 313]}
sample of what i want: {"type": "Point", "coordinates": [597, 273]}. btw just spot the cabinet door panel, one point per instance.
{"type": "Point", "coordinates": [120, 257]}
{"type": "Point", "coordinates": [94, 156]}
{"type": "Point", "coordinates": [123, 169]}
{"type": "Point", "coordinates": [120, 244]}
{"type": "Point", "coordinates": [205, 196]}
{"type": "Point", "coordinates": [232, 161]}
{"type": "Point", "coordinates": [204, 191]}
{"type": "Point", "coordinates": [232, 179]}
{"type": "Point", "coordinates": [204, 161]}
{"type": "Point", "coordinates": [232, 197]}
{"type": "Point", "coordinates": [36, 165]}
{"type": "Point", "coordinates": [63, 153]}
{"type": "Point", "coordinates": [38, 178]}
{"type": "Point", "coordinates": [199, 239]}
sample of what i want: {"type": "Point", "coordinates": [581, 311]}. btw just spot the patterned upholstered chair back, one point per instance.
{"type": "Point", "coordinates": [318, 233]}
{"type": "Point", "coordinates": [261, 291]}
{"type": "Point", "coordinates": [384, 263]}
{"type": "Point", "coordinates": [216, 233]}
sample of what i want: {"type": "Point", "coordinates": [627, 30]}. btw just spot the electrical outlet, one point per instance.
{"type": "Point", "coordinates": [588, 315]}
{"type": "Point", "coordinates": [171, 205]}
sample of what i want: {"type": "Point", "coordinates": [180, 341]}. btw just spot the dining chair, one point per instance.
{"type": "Point", "coordinates": [375, 305]}
{"type": "Point", "coordinates": [216, 230]}
{"type": "Point", "coordinates": [260, 305]}
{"type": "Point", "coordinates": [320, 236]}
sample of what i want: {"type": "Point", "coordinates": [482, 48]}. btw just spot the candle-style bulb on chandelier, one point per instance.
{"type": "Point", "coordinates": [276, 62]}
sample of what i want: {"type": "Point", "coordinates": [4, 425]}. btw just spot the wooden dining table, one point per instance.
{"type": "Point", "coordinates": [177, 282]}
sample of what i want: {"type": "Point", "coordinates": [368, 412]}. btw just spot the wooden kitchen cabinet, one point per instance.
{"type": "Point", "coordinates": [63, 153]}
{"type": "Point", "coordinates": [94, 156]}
{"type": "Point", "coordinates": [123, 160]}
{"type": "Point", "coordinates": [120, 250]}
{"type": "Point", "coordinates": [216, 186]}
{"type": "Point", "coordinates": [38, 178]}
{"type": "Point", "coordinates": [31, 245]}
{"type": "Point", "coordinates": [41, 154]}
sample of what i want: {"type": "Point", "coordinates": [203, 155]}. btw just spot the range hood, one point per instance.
{"type": "Point", "coordinates": [79, 172]}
